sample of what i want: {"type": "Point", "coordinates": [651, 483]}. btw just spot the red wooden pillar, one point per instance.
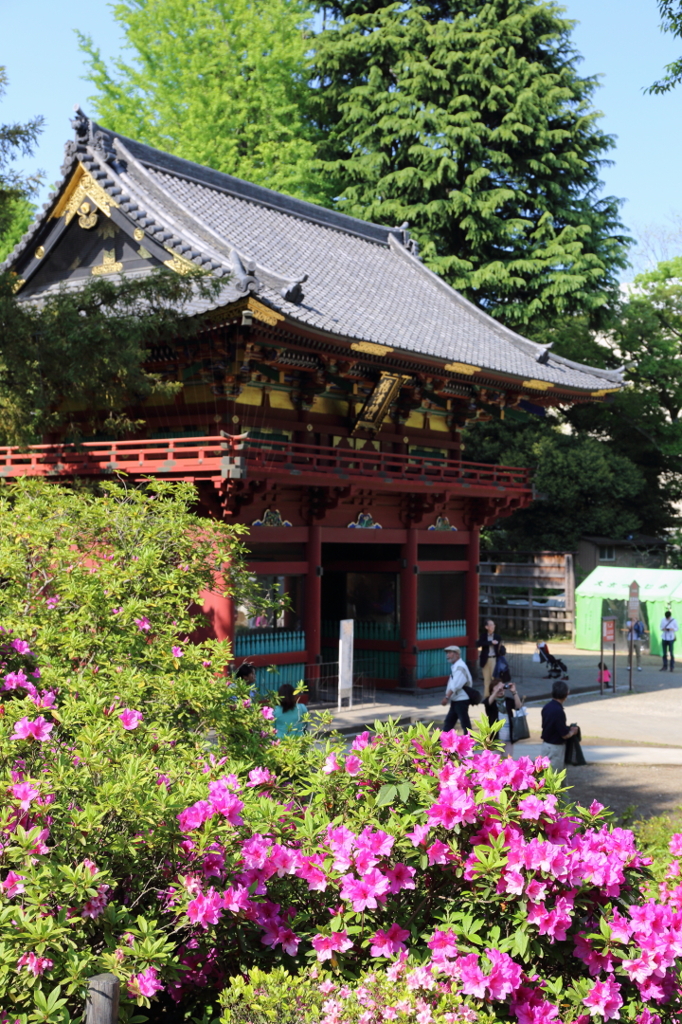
{"type": "Point", "coordinates": [313, 594]}
{"type": "Point", "coordinates": [472, 591]}
{"type": "Point", "coordinates": [408, 609]}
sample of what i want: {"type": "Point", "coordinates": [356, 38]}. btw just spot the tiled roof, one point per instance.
{"type": "Point", "coordinates": [320, 268]}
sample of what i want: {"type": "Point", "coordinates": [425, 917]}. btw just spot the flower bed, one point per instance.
{"type": "Point", "coordinates": [417, 876]}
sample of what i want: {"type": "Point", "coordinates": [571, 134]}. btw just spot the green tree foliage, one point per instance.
{"type": "Point", "coordinates": [671, 21]}
{"type": "Point", "coordinates": [583, 486]}
{"type": "Point", "coordinates": [221, 83]}
{"type": "Point", "coordinates": [15, 188]}
{"type": "Point", "coordinates": [635, 437]}
{"type": "Point", "coordinates": [469, 120]}
{"type": "Point", "coordinates": [87, 347]}
{"type": "Point", "coordinates": [18, 216]}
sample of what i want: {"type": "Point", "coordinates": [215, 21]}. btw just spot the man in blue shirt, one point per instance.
{"type": "Point", "coordinates": [555, 730]}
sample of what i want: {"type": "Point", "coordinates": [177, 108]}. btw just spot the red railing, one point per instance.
{"type": "Point", "coordinates": [257, 457]}
{"type": "Point", "coordinates": [241, 457]}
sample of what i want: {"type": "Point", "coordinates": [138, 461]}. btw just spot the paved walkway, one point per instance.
{"type": "Point", "coordinates": [638, 728]}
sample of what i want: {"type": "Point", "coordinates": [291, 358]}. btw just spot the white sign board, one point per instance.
{"type": "Point", "coordinates": [346, 663]}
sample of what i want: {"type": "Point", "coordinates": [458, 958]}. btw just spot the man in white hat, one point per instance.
{"type": "Point", "coordinates": [460, 676]}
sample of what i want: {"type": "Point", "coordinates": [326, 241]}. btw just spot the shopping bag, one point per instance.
{"type": "Point", "coordinates": [521, 730]}
{"type": "Point", "coordinates": [536, 656]}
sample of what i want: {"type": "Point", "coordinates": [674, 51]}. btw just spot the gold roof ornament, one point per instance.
{"type": "Point", "coordinates": [462, 368]}
{"type": "Point", "coordinates": [81, 187]}
{"type": "Point", "coordinates": [264, 313]}
{"type": "Point", "coordinates": [537, 385]}
{"type": "Point", "coordinates": [603, 391]}
{"type": "Point", "coordinates": [371, 348]}
{"type": "Point", "coordinates": [179, 264]}
{"type": "Point", "coordinates": [108, 264]}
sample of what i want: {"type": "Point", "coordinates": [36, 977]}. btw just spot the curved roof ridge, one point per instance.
{"type": "Point", "coordinates": [616, 376]}
{"type": "Point", "coordinates": [301, 209]}
{"type": "Point", "coordinates": [221, 248]}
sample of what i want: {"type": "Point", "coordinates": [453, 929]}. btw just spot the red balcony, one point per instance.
{"type": "Point", "coordinates": [239, 457]}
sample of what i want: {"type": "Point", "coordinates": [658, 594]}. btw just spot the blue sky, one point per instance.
{"type": "Point", "coordinates": [619, 40]}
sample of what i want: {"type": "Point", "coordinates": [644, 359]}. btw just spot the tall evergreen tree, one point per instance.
{"type": "Point", "coordinates": [671, 21]}
{"type": "Point", "coordinates": [223, 83]}
{"type": "Point", "coordinates": [15, 188]}
{"type": "Point", "coordinates": [469, 120]}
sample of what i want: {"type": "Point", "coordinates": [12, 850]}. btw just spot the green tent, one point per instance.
{"type": "Point", "coordinates": [606, 592]}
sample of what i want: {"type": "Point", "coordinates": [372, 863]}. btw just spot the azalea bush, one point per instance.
{"type": "Point", "coordinates": [154, 827]}
{"type": "Point", "coordinates": [110, 720]}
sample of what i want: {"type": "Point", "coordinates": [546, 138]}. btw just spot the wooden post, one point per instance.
{"type": "Point", "coordinates": [101, 1006]}
{"type": "Point", "coordinates": [472, 595]}
{"type": "Point", "coordinates": [313, 594]}
{"type": "Point", "coordinates": [408, 609]}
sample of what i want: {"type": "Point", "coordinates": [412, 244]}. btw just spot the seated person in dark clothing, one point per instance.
{"type": "Point", "coordinates": [555, 730]}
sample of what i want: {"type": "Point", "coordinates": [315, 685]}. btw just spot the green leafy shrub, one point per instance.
{"type": "Point", "coordinates": [105, 713]}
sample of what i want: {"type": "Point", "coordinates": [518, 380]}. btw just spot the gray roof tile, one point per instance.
{"type": "Point", "coordinates": [361, 282]}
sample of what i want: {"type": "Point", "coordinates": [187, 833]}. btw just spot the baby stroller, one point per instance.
{"type": "Point", "coordinates": [556, 668]}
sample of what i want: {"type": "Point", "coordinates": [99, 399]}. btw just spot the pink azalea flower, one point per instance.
{"type": "Point", "coordinates": [15, 679]}
{"type": "Point", "coordinates": [331, 765]}
{"type": "Point", "coordinates": [505, 976]}
{"type": "Point", "coordinates": [438, 853]}
{"type": "Point", "coordinates": [236, 898]}
{"type": "Point", "coordinates": [96, 905]}
{"type": "Point", "coordinates": [176, 651]}
{"type": "Point", "coordinates": [147, 983]}
{"type": "Point", "coordinates": [361, 741]}
{"type": "Point", "coordinates": [418, 835]}
{"type": "Point", "coordinates": [52, 602]}
{"type": "Point", "coordinates": [268, 714]}
{"type": "Point", "coordinates": [260, 777]}
{"type": "Point", "coordinates": [194, 816]}
{"type": "Point", "coordinates": [143, 624]}
{"type": "Point", "coordinates": [37, 965]}
{"type": "Point", "coordinates": [401, 877]}
{"type": "Point", "coordinates": [205, 909]}
{"type": "Point", "coordinates": [130, 719]}
{"type": "Point", "coordinates": [386, 943]}
{"type": "Point", "coordinates": [12, 884]}
{"type": "Point", "coordinates": [39, 729]}
{"type": "Point", "coordinates": [473, 979]}
{"type": "Point", "coordinates": [604, 998]}
{"type": "Point", "coordinates": [453, 808]}
{"type": "Point", "coordinates": [325, 945]}
{"type": "Point", "coordinates": [224, 802]}
{"type": "Point", "coordinates": [675, 844]}
{"type": "Point", "coordinates": [454, 743]}
{"type": "Point", "coordinates": [353, 764]}
{"type": "Point", "coordinates": [20, 646]}
{"type": "Point", "coordinates": [363, 893]}
{"type": "Point", "coordinates": [443, 944]}
{"type": "Point", "coordinates": [25, 793]}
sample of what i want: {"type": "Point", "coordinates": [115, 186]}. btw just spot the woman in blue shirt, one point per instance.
{"type": "Point", "coordinates": [290, 716]}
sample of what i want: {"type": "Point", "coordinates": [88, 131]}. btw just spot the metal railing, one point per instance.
{"type": "Point", "coordinates": [275, 641]}
{"type": "Point", "coordinates": [441, 630]}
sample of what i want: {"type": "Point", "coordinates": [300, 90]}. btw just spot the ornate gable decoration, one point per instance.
{"type": "Point", "coordinates": [82, 187]}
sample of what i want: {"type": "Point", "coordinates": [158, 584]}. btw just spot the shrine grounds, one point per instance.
{"type": "Point", "coordinates": [632, 741]}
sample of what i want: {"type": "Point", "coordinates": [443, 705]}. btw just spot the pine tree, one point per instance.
{"type": "Point", "coordinates": [468, 119]}
{"type": "Point", "coordinates": [221, 83]}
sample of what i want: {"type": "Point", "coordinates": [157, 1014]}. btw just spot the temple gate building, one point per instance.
{"type": "Point", "coordinates": [322, 402]}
